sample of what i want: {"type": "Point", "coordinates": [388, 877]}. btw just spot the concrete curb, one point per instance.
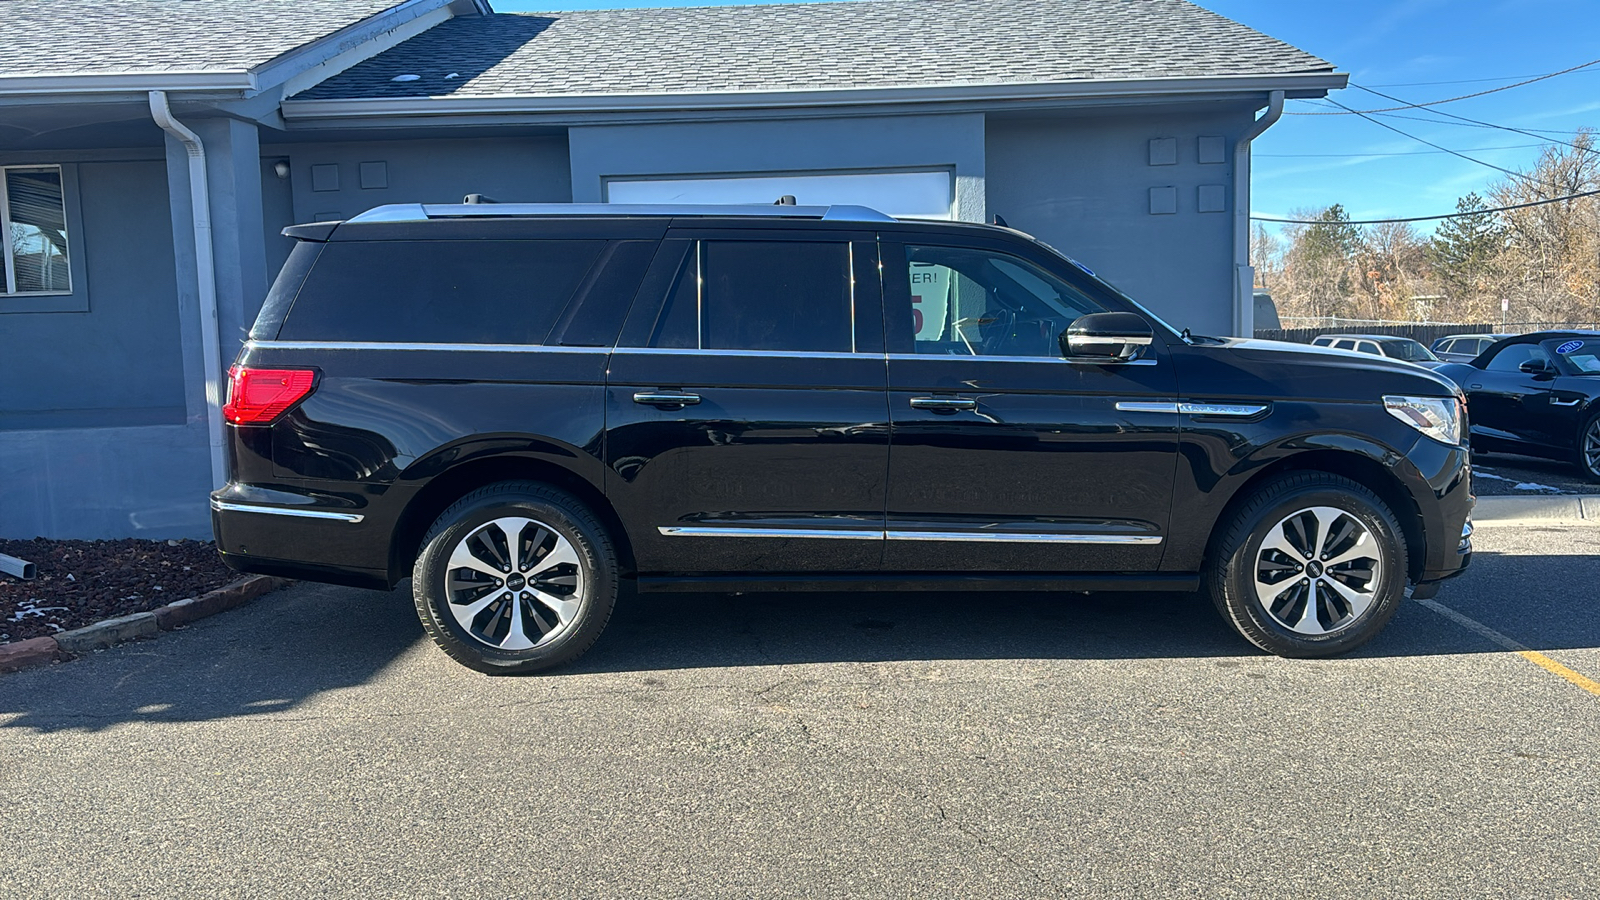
{"type": "Point", "coordinates": [41, 651]}
{"type": "Point", "coordinates": [1570, 509]}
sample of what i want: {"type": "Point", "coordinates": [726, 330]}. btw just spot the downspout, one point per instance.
{"type": "Point", "coordinates": [206, 278]}
{"type": "Point", "coordinates": [1244, 304]}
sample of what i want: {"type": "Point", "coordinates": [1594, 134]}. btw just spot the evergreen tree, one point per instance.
{"type": "Point", "coordinates": [1463, 250]}
{"type": "Point", "coordinates": [1333, 238]}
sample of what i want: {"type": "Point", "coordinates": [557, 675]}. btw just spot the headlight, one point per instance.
{"type": "Point", "coordinates": [1435, 417]}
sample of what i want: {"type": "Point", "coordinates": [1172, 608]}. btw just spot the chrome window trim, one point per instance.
{"type": "Point", "coordinates": [224, 506]}
{"type": "Point", "coordinates": [837, 534]}
{"type": "Point", "coordinates": [401, 345]}
{"type": "Point", "coordinates": [1027, 359]}
{"type": "Point", "coordinates": [803, 354]}
{"type": "Point", "coordinates": [945, 536]}
{"type": "Point", "coordinates": [1018, 538]}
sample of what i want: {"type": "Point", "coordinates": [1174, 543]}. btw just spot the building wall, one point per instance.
{"type": "Point", "coordinates": [792, 146]}
{"type": "Point", "coordinates": [340, 180]}
{"type": "Point", "coordinates": [1132, 197]}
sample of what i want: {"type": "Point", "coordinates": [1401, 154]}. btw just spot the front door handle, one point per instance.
{"type": "Point", "coordinates": [943, 404]}
{"type": "Point", "coordinates": [666, 399]}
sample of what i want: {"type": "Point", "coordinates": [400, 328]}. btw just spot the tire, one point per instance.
{"type": "Point", "coordinates": [1589, 448]}
{"type": "Point", "coordinates": [1267, 538]}
{"type": "Point", "coordinates": [545, 614]}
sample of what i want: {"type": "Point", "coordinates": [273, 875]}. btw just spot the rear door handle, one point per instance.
{"type": "Point", "coordinates": [943, 404]}
{"type": "Point", "coordinates": [666, 398]}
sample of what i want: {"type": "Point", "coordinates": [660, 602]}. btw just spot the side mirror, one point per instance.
{"type": "Point", "coordinates": [1109, 336]}
{"type": "Point", "coordinates": [1535, 367]}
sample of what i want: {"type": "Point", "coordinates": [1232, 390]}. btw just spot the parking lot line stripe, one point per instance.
{"type": "Point", "coordinates": [1533, 656]}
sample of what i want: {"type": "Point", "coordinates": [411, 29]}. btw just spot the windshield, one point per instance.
{"type": "Point", "coordinates": [1583, 355]}
{"type": "Point", "coordinates": [1410, 351]}
{"type": "Point", "coordinates": [1109, 286]}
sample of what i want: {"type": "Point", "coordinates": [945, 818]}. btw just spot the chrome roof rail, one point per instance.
{"type": "Point", "coordinates": [418, 212]}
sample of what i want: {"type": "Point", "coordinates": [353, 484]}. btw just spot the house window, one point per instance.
{"type": "Point", "coordinates": [33, 223]}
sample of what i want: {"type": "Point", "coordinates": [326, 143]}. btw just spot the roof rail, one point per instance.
{"type": "Point", "coordinates": [418, 212]}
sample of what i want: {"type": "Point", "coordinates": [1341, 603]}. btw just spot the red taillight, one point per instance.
{"type": "Point", "coordinates": [257, 396]}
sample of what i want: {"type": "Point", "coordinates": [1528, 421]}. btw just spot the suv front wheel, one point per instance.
{"type": "Point", "coordinates": [515, 577]}
{"type": "Point", "coordinates": [1313, 565]}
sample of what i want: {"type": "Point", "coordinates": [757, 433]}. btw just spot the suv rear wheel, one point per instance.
{"type": "Point", "coordinates": [514, 578]}
{"type": "Point", "coordinates": [1313, 565]}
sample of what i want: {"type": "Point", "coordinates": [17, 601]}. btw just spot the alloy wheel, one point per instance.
{"type": "Point", "coordinates": [514, 583]}
{"type": "Point", "coordinates": [1318, 570]}
{"type": "Point", "coordinates": [1591, 448]}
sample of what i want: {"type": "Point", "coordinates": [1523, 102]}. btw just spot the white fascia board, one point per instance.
{"type": "Point", "coordinates": [1309, 84]}
{"type": "Point", "coordinates": [128, 83]}
{"type": "Point", "coordinates": [308, 66]}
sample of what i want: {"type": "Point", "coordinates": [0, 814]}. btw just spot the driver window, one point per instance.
{"type": "Point", "coordinates": [968, 302]}
{"type": "Point", "coordinates": [1510, 359]}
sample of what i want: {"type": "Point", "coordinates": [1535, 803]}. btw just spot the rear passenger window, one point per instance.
{"type": "Point", "coordinates": [439, 292]}
{"type": "Point", "coordinates": [760, 295]}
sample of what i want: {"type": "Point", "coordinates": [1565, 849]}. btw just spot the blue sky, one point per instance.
{"type": "Point", "coordinates": [1417, 50]}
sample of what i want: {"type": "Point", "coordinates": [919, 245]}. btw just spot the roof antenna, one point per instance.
{"type": "Point", "coordinates": [785, 200]}
{"type": "Point", "coordinates": [1000, 220]}
{"type": "Point", "coordinates": [478, 198]}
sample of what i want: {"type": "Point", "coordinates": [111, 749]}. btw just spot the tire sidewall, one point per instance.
{"type": "Point", "coordinates": [1583, 437]}
{"type": "Point", "coordinates": [1373, 516]}
{"type": "Point", "coordinates": [432, 567]}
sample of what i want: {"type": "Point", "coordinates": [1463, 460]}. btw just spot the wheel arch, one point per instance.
{"type": "Point", "coordinates": [1359, 467]}
{"type": "Point", "coordinates": [463, 478]}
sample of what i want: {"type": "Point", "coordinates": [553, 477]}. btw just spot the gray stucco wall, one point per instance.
{"type": "Point", "coordinates": [784, 146]}
{"type": "Point", "coordinates": [339, 180]}
{"type": "Point", "coordinates": [1094, 187]}
{"type": "Point", "coordinates": [120, 362]}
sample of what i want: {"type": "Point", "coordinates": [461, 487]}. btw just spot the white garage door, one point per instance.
{"type": "Point", "coordinates": [925, 195]}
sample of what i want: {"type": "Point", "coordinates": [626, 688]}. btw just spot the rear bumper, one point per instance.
{"type": "Point", "coordinates": [312, 537]}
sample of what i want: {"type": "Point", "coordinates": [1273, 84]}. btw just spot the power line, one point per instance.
{"type": "Point", "coordinates": [1353, 112]}
{"type": "Point", "coordinates": [1404, 153]}
{"type": "Point", "coordinates": [1473, 123]}
{"type": "Point", "coordinates": [1455, 215]}
{"type": "Point", "coordinates": [1512, 173]}
{"type": "Point", "coordinates": [1459, 81]}
{"type": "Point", "coordinates": [1483, 124]}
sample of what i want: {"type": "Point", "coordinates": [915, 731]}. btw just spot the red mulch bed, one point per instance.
{"type": "Point", "coordinates": [82, 582]}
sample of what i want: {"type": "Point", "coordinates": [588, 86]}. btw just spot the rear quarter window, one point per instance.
{"type": "Point", "coordinates": [439, 292]}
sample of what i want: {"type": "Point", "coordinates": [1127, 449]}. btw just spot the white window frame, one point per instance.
{"type": "Point", "coordinates": [9, 259]}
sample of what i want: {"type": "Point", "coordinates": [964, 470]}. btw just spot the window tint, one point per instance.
{"type": "Point", "coordinates": [1511, 358]}
{"type": "Point", "coordinates": [284, 289]}
{"type": "Point", "coordinates": [760, 295]}
{"type": "Point", "coordinates": [968, 302]}
{"type": "Point", "coordinates": [446, 292]}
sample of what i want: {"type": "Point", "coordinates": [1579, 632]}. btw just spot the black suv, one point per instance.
{"type": "Point", "coordinates": [526, 407]}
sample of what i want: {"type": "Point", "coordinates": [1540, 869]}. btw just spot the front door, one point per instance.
{"type": "Point", "coordinates": [747, 424]}
{"type": "Point", "coordinates": [1004, 455]}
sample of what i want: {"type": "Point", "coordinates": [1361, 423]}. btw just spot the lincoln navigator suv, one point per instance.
{"type": "Point", "coordinates": [529, 409]}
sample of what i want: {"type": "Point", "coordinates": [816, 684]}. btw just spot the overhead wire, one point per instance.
{"type": "Point", "coordinates": [1454, 215]}
{"type": "Point", "coordinates": [1353, 112]}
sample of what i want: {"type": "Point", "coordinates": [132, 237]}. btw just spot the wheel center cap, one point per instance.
{"type": "Point", "coordinates": [1314, 569]}
{"type": "Point", "coordinates": [516, 582]}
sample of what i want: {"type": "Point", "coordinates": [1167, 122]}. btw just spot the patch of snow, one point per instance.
{"type": "Point", "coordinates": [1543, 488]}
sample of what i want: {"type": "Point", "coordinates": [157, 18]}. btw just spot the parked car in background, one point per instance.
{"type": "Point", "coordinates": [1401, 348]}
{"type": "Point", "coordinates": [1536, 394]}
{"type": "Point", "coordinates": [1460, 348]}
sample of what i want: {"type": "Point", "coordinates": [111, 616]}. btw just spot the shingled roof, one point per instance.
{"type": "Point", "coordinates": [821, 46]}
{"type": "Point", "coordinates": [87, 37]}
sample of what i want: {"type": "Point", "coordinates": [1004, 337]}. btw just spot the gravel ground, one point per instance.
{"type": "Point", "coordinates": [83, 582]}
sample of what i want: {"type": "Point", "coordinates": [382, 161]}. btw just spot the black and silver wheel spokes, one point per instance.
{"type": "Point", "coordinates": [1591, 448]}
{"type": "Point", "coordinates": [1318, 570]}
{"type": "Point", "coordinates": [514, 583]}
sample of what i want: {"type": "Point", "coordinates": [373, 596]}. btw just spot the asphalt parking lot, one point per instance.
{"type": "Point", "coordinates": [835, 745]}
{"type": "Point", "coordinates": [1509, 475]}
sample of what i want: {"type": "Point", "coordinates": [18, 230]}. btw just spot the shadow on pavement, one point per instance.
{"type": "Point", "coordinates": [311, 639]}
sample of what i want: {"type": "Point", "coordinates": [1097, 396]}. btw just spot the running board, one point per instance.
{"type": "Point", "coordinates": [965, 581]}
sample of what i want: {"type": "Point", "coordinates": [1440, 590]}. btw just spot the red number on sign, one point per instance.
{"type": "Point", "coordinates": [916, 315]}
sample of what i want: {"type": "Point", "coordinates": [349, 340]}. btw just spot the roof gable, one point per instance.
{"type": "Point", "coordinates": [818, 47]}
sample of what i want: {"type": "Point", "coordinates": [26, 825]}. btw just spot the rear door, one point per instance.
{"type": "Point", "coordinates": [1512, 404]}
{"type": "Point", "coordinates": [1005, 456]}
{"type": "Point", "coordinates": [746, 410]}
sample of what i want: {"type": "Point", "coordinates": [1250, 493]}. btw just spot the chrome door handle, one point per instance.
{"type": "Point", "coordinates": [943, 404]}
{"type": "Point", "coordinates": [1573, 402]}
{"type": "Point", "coordinates": [666, 398]}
